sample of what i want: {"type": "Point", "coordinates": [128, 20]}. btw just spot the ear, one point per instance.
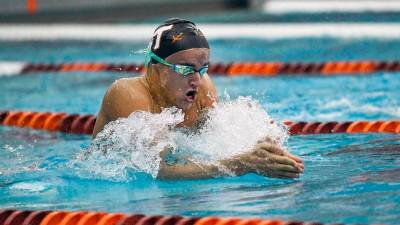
{"type": "Point", "coordinates": [158, 71]}
{"type": "Point", "coordinates": [153, 68]}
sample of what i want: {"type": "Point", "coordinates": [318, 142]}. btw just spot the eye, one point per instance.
{"type": "Point", "coordinates": [203, 70]}
{"type": "Point", "coordinates": [188, 70]}
{"type": "Point", "coordinates": [179, 69]}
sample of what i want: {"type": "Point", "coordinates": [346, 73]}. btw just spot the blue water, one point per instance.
{"type": "Point", "coordinates": [348, 178]}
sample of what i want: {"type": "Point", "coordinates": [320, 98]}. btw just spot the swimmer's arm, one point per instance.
{"type": "Point", "coordinates": [265, 159]}
{"type": "Point", "coordinates": [191, 170]}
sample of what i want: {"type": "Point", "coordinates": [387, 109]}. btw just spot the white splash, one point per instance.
{"type": "Point", "coordinates": [130, 143]}
{"type": "Point", "coordinates": [135, 143]}
{"type": "Point", "coordinates": [231, 128]}
{"type": "Point", "coordinates": [29, 187]}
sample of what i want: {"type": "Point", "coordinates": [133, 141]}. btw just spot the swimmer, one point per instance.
{"type": "Point", "coordinates": [177, 76]}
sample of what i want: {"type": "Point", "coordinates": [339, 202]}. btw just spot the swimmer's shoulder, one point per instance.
{"type": "Point", "coordinates": [125, 96]}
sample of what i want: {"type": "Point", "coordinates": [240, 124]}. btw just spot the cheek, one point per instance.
{"type": "Point", "coordinates": [176, 86]}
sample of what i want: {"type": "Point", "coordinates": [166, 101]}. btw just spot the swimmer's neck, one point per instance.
{"type": "Point", "coordinates": [151, 81]}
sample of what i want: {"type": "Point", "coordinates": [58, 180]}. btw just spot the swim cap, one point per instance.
{"type": "Point", "coordinates": [176, 35]}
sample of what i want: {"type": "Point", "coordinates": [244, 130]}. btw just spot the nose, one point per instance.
{"type": "Point", "coordinates": [194, 80]}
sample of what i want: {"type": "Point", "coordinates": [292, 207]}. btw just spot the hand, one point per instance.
{"type": "Point", "coordinates": [269, 159]}
{"type": "Point", "coordinates": [282, 151]}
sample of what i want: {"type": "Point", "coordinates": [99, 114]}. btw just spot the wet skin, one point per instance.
{"type": "Point", "coordinates": [162, 87]}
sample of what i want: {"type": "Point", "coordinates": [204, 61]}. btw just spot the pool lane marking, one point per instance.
{"type": "Point", "coordinates": [11, 68]}
{"type": "Point", "coordinates": [121, 32]}
{"type": "Point", "coordinates": [307, 6]}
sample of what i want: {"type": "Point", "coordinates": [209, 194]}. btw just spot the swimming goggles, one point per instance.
{"type": "Point", "coordinates": [180, 69]}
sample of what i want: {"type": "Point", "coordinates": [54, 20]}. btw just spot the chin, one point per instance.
{"type": "Point", "coordinates": [185, 105]}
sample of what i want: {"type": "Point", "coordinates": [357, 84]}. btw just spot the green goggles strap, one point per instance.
{"type": "Point", "coordinates": [160, 60]}
{"type": "Point", "coordinates": [181, 69]}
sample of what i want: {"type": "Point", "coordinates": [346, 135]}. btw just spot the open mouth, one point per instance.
{"type": "Point", "coordinates": [190, 95]}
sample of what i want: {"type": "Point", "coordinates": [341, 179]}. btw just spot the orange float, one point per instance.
{"type": "Point", "coordinates": [25, 118]}
{"type": "Point", "coordinates": [373, 126]}
{"type": "Point", "coordinates": [37, 122]}
{"type": "Point", "coordinates": [72, 218]}
{"type": "Point", "coordinates": [249, 222]}
{"type": "Point", "coordinates": [91, 218]}
{"type": "Point", "coordinates": [53, 218]}
{"type": "Point", "coordinates": [228, 221]}
{"type": "Point", "coordinates": [357, 127]}
{"type": "Point", "coordinates": [53, 122]}
{"type": "Point", "coordinates": [208, 221]}
{"type": "Point", "coordinates": [111, 219]}
{"type": "Point", "coordinates": [12, 118]}
{"type": "Point", "coordinates": [390, 126]}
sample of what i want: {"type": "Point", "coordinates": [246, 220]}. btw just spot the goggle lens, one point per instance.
{"type": "Point", "coordinates": [187, 70]}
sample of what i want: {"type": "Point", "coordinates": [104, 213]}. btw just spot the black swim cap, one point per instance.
{"type": "Point", "coordinates": [176, 35]}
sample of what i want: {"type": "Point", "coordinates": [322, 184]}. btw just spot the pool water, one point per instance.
{"type": "Point", "coordinates": [348, 178]}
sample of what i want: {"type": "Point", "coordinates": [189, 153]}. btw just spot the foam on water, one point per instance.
{"type": "Point", "coordinates": [135, 143]}
{"type": "Point", "coordinates": [29, 187]}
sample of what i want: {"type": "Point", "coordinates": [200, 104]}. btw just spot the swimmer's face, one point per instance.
{"type": "Point", "coordinates": [182, 90]}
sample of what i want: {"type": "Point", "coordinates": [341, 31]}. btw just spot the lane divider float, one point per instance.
{"type": "Point", "coordinates": [27, 217]}
{"type": "Point", "coordinates": [84, 124]}
{"type": "Point", "coordinates": [228, 69]}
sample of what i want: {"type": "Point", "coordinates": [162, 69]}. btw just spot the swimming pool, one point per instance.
{"type": "Point", "coordinates": [348, 178]}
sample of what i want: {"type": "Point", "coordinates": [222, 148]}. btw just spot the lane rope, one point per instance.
{"type": "Point", "coordinates": [228, 69]}
{"type": "Point", "coordinates": [84, 124]}
{"type": "Point", "coordinates": [27, 217]}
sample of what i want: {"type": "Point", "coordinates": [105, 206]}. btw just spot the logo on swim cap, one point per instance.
{"type": "Point", "coordinates": [176, 35]}
{"type": "Point", "coordinates": [176, 38]}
